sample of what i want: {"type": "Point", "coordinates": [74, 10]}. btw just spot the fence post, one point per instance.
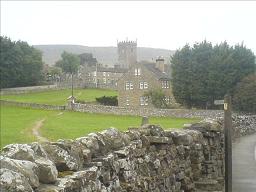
{"type": "Point", "coordinates": [228, 143]}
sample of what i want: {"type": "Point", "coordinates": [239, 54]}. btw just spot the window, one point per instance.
{"type": "Point", "coordinates": [94, 73]}
{"type": "Point", "coordinates": [104, 74]}
{"type": "Point", "coordinates": [143, 100]}
{"type": "Point", "coordinates": [128, 86]}
{"type": "Point", "coordinates": [167, 99]}
{"type": "Point", "coordinates": [104, 80]}
{"type": "Point", "coordinates": [127, 101]}
{"type": "Point", "coordinates": [165, 84]}
{"type": "Point", "coordinates": [137, 71]}
{"type": "Point", "coordinates": [143, 85]}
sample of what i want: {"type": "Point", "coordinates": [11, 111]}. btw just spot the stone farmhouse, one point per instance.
{"type": "Point", "coordinates": [141, 77]}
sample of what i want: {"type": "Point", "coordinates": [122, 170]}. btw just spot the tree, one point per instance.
{"type": "Point", "coordinates": [52, 73]}
{"type": "Point", "coordinates": [69, 63]}
{"type": "Point", "coordinates": [87, 59]}
{"type": "Point", "coordinates": [244, 98]}
{"type": "Point", "coordinates": [21, 64]}
{"type": "Point", "coordinates": [157, 98]}
{"type": "Point", "coordinates": [204, 73]}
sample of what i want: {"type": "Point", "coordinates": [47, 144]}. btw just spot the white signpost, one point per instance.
{"type": "Point", "coordinates": [218, 102]}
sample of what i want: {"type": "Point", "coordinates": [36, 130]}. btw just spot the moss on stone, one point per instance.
{"type": "Point", "coordinates": [64, 173]}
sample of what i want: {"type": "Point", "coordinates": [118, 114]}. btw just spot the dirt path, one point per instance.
{"type": "Point", "coordinates": [244, 164]}
{"type": "Point", "coordinates": [36, 133]}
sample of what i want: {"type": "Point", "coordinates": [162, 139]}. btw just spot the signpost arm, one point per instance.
{"type": "Point", "coordinates": [228, 143]}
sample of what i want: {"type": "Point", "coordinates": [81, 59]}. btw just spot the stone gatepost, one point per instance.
{"type": "Point", "coordinates": [71, 102]}
{"type": "Point", "coordinates": [144, 120]}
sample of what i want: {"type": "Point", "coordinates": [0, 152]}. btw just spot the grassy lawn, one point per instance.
{"type": "Point", "coordinates": [59, 97]}
{"type": "Point", "coordinates": [17, 123]}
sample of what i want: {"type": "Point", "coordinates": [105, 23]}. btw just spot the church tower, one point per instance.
{"type": "Point", "coordinates": [127, 53]}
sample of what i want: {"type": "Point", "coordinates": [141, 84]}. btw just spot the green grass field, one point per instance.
{"type": "Point", "coordinates": [17, 123]}
{"type": "Point", "coordinates": [59, 97]}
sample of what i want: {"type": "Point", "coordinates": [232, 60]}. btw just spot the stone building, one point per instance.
{"type": "Point", "coordinates": [103, 77]}
{"type": "Point", "coordinates": [127, 53]}
{"type": "Point", "coordinates": [140, 78]}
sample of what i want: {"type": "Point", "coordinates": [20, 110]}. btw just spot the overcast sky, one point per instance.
{"type": "Point", "coordinates": [165, 24]}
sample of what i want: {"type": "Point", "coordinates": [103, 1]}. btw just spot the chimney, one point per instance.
{"type": "Point", "coordinates": [160, 64]}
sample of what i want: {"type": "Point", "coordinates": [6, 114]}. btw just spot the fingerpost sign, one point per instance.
{"type": "Point", "coordinates": [227, 140]}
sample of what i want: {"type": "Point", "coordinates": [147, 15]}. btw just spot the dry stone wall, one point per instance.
{"type": "Point", "coordinates": [147, 111]}
{"type": "Point", "coordinates": [20, 90]}
{"type": "Point", "coordinates": [140, 111]}
{"type": "Point", "coordinates": [33, 105]}
{"type": "Point", "coordinates": [140, 159]}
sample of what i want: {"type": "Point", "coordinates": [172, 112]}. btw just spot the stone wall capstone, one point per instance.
{"type": "Point", "coordinates": [147, 158]}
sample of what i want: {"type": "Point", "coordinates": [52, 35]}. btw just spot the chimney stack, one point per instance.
{"type": "Point", "coordinates": [160, 64]}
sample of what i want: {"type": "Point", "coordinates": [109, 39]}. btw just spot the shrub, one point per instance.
{"type": "Point", "coordinates": [157, 98]}
{"type": "Point", "coordinates": [107, 100]}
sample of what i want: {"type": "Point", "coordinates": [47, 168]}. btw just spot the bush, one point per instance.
{"type": "Point", "coordinates": [244, 98]}
{"type": "Point", "coordinates": [157, 98]}
{"type": "Point", "coordinates": [107, 100]}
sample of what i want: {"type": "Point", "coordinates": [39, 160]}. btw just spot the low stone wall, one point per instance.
{"type": "Point", "coordinates": [141, 159]}
{"type": "Point", "coordinates": [32, 105]}
{"type": "Point", "coordinates": [19, 90]}
{"type": "Point", "coordinates": [243, 125]}
{"type": "Point", "coordinates": [150, 112]}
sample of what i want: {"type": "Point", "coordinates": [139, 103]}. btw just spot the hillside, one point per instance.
{"type": "Point", "coordinates": [104, 55]}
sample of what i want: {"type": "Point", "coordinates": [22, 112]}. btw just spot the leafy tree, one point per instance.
{"type": "Point", "coordinates": [87, 59]}
{"type": "Point", "coordinates": [157, 98]}
{"type": "Point", "coordinates": [245, 95]}
{"type": "Point", "coordinates": [203, 73]}
{"type": "Point", "coordinates": [52, 73]}
{"type": "Point", "coordinates": [21, 64]}
{"type": "Point", "coordinates": [69, 63]}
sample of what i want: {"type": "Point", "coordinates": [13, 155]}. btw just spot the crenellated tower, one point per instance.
{"type": "Point", "coordinates": [127, 53]}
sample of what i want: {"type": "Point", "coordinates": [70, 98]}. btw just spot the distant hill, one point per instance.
{"type": "Point", "coordinates": [104, 55]}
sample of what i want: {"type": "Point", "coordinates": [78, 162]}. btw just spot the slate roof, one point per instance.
{"type": "Point", "coordinates": [159, 74]}
{"type": "Point", "coordinates": [112, 70]}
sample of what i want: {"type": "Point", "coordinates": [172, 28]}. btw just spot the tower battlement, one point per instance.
{"type": "Point", "coordinates": [127, 42]}
{"type": "Point", "coordinates": [127, 53]}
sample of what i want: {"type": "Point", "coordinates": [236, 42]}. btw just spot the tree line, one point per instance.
{"type": "Point", "coordinates": [203, 73]}
{"type": "Point", "coordinates": [20, 64]}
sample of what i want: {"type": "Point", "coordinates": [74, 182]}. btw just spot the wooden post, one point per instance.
{"type": "Point", "coordinates": [72, 86]}
{"type": "Point", "coordinates": [228, 143]}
